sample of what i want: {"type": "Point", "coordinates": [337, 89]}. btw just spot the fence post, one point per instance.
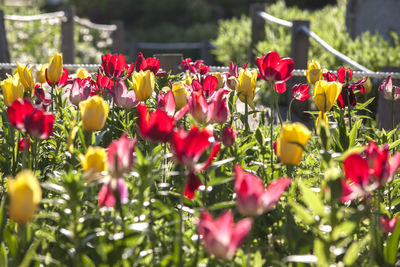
{"type": "Point", "coordinates": [257, 29]}
{"type": "Point", "coordinates": [170, 62]}
{"type": "Point", "coordinates": [67, 36]}
{"type": "Point", "coordinates": [4, 52]}
{"type": "Point", "coordinates": [205, 53]}
{"type": "Point", "coordinates": [118, 37]}
{"type": "Point", "coordinates": [299, 53]}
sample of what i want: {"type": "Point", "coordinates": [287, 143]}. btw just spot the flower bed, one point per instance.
{"type": "Point", "coordinates": [140, 167]}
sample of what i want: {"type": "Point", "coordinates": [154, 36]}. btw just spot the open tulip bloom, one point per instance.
{"type": "Point", "coordinates": [221, 237]}
{"type": "Point", "coordinates": [252, 199]}
{"type": "Point", "coordinates": [114, 66]}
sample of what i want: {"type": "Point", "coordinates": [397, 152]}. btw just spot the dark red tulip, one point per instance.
{"type": "Point", "coordinates": [114, 66]}
{"type": "Point", "coordinates": [156, 126]}
{"type": "Point", "coordinates": [39, 124]}
{"type": "Point", "coordinates": [300, 92]}
{"type": "Point", "coordinates": [273, 68]}
{"type": "Point", "coordinates": [24, 144]}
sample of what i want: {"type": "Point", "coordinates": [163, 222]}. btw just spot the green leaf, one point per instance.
{"type": "Point", "coordinates": [343, 230]}
{"type": "Point", "coordinates": [218, 181]}
{"type": "Point", "coordinates": [258, 261]}
{"type": "Point", "coordinates": [353, 133]}
{"type": "Point", "coordinates": [302, 213]}
{"type": "Point", "coordinates": [30, 254]}
{"type": "Point", "coordinates": [11, 242]}
{"type": "Point", "coordinates": [222, 205]}
{"type": "Point", "coordinates": [259, 137]}
{"type": "Point", "coordinates": [394, 144]}
{"type": "Point", "coordinates": [3, 255]}
{"type": "Point", "coordinates": [312, 200]}
{"type": "Point", "coordinates": [366, 103]}
{"type": "Point", "coordinates": [392, 246]}
{"type": "Point", "coordinates": [321, 250]}
{"type": "Point", "coordinates": [352, 252]}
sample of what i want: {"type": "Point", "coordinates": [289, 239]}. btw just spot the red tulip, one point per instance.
{"type": "Point", "coordinates": [107, 193]}
{"type": "Point", "coordinates": [388, 225]}
{"type": "Point", "coordinates": [221, 237]}
{"type": "Point", "coordinates": [120, 155]}
{"type": "Point", "coordinates": [24, 144]}
{"type": "Point", "coordinates": [80, 90]}
{"type": "Point", "coordinates": [300, 92]}
{"type": "Point", "coordinates": [157, 126]}
{"type": "Point", "coordinates": [365, 174]}
{"type": "Point", "coordinates": [228, 136]}
{"type": "Point", "coordinates": [273, 68]}
{"type": "Point", "coordinates": [39, 124]}
{"type": "Point", "coordinates": [114, 66]}
{"type": "Point", "coordinates": [198, 66]}
{"type": "Point", "coordinates": [123, 98]}
{"type": "Point", "coordinates": [198, 106]}
{"type": "Point", "coordinates": [18, 111]}
{"type": "Point", "coordinates": [252, 198]}
{"type": "Point", "coordinates": [208, 86]}
{"type": "Point", "coordinates": [345, 75]}
{"type": "Point", "coordinates": [104, 83]}
{"type": "Point", "coordinates": [188, 148]}
{"type": "Point", "coordinates": [152, 64]}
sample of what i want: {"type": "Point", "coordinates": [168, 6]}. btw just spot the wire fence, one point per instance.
{"type": "Point", "coordinates": [316, 38]}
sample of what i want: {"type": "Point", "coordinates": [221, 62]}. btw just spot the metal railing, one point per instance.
{"type": "Point", "coordinates": [317, 39]}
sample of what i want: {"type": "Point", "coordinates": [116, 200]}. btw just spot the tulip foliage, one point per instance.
{"type": "Point", "coordinates": [132, 166]}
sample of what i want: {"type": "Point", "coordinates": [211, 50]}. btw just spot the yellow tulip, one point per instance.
{"type": "Point", "coordinates": [41, 73]}
{"type": "Point", "coordinates": [95, 160]}
{"type": "Point", "coordinates": [326, 94]}
{"type": "Point", "coordinates": [246, 86]}
{"type": "Point", "coordinates": [142, 83]}
{"type": "Point", "coordinates": [82, 73]}
{"type": "Point", "coordinates": [220, 78]}
{"type": "Point", "coordinates": [180, 94]}
{"type": "Point", "coordinates": [12, 89]}
{"type": "Point", "coordinates": [187, 78]}
{"type": "Point", "coordinates": [292, 139]}
{"type": "Point", "coordinates": [25, 195]}
{"type": "Point", "coordinates": [314, 71]}
{"type": "Point", "coordinates": [25, 75]}
{"type": "Point", "coordinates": [94, 112]}
{"type": "Point", "coordinates": [55, 69]}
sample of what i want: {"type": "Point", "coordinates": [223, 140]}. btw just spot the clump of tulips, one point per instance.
{"type": "Point", "coordinates": [129, 165]}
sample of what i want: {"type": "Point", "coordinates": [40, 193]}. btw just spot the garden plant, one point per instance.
{"type": "Point", "coordinates": [133, 166]}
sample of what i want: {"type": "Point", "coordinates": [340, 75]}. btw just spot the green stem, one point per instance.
{"type": "Point", "coordinates": [289, 115]}
{"type": "Point", "coordinates": [276, 100]}
{"type": "Point", "coordinates": [349, 109]}
{"type": "Point", "coordinates": [246, 115]}
{"type": "Point", "coordinates": [392, 109]}
{"type": "Point", "coordinates": [180, 239]}
{"type": "Point", "coordinates": [271, 127]}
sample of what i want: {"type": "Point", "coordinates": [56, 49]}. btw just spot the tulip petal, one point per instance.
{"type": "Point", "coordinates": [356, 169]}
{"type": "Point", "coordinates": [192, 184]}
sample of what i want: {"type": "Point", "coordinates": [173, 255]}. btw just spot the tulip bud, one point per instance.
{"type": "Point", "coordinates": [180, 94]}
{"type": "Point", "coordinates": [246, 86]}
{"type": "Point", "coordinates": [221, 80]}
{"type": "Point", "coordinates": [94, 161]}
{"type": "Point", "coordinates": [12, 89]}
{"type": "Point", "coordinates": [314, 71]}
{"type": "Point", "coordinates": [25, 75]}
{"type": "Point", "coordinates": [228, 136]}
{"type": "Point", "coordinates": [123, 97]}
{"type": "Point", "coordinates": [55, 70]}
{"type": "Point", "coordinates": [326, 94]}
{"type": "Point", "coordinates": [82, 73]}
{"type": "Point", "coordinates": [41, 73]}
{"type": "Point", "coordinates": [291, 141]}
{"type": "Point", "coordinates": [143, 83]}
{"type": "Point", "coordinates": [94, 112]}
{"type": "Point", "coordinates": [25, 195]}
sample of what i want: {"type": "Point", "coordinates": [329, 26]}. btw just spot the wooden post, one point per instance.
{"type": "Point", "coordinates": [299, 53]}
{"type": "Point", "coordinates": [205, 53]}
{"type": "Point", "coordinates": [384, 117]}
{"type": "Point", "coordinates": [170, 62]}
{"type": "Point", "coordinates": [4, 52]}
{"type": "Point", "coordinates": [118, 37]}
{"type": "Point", "coordinates": [67, 36]}
{"type": "Point", "coordinates": [257, 29]}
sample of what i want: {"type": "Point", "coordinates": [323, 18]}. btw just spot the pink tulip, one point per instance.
{"type": "Point", "coordinates": [222, 237]}
{"type": "Point", "coordinates": [123, 97]}
{"type": "Point", "coordinates": [198, 106]}
{"type": "Point", "coordinates": [228, 136]}
{"type": "Point", "coordinates": [107, 193]}
{"type": "Point", "coordinates": [388, 225]}
{"type": "Point", "coordinates": [120, 155]}
{"type": "Point", "coordinates": [166, 102]}
{"type": "Point", "coordinates": [80, 90]}
{"type": "Point", "coordinates": [218, 111]}
{"type": "Point", "coordinates": [252, 198]}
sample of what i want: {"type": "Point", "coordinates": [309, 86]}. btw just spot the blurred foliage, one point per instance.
{"type": "Point", "coordinates": [370, 50]}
